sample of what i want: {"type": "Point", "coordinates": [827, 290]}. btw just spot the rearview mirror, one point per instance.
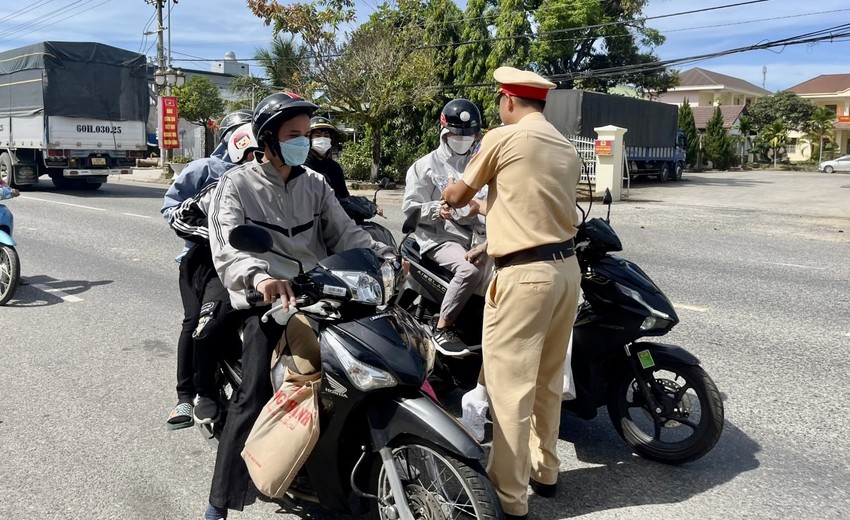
{"type": "Point", "coordinates": [411, 222]}
{"type": "Point", "coordinates": [252, 239]}
{"type": "Point", "coordinates": [607, 199]}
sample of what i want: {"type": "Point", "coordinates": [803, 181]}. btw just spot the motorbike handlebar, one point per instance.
{"type": "Point", "coordinates": [254, 297]}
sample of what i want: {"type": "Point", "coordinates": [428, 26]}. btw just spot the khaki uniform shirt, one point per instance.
{"type": "Point", "coordinates": [532, 172]}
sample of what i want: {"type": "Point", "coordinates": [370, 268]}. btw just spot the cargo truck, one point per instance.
{"type": "Point", "coordinates": [73, 111]}
{"type": "Point", "coordinates": [654, 144]}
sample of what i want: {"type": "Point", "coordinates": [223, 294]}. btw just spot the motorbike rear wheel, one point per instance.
{"type": "Point", "coordinates": [10, 273]}
{"type": "Point", "coordinates": [437, 485]}
{"type": "Point", "coordinates": [685, 424]}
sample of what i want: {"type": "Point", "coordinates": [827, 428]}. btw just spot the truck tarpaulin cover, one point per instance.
{"type": "Point", "coordinates": [578, 112]}
{"type": "Point", "coordinates": [74, 79]}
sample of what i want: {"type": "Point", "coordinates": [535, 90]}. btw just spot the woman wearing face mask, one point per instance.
{"type": "Point", "coordinates": [322, 136]}
{"type": "Point", "coordinates": [304, 218]}
{"type": "Point", "coordinates": [444, 234]}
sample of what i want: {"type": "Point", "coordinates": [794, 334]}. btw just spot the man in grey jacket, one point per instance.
{"type": "Point", "coordinates": [445, 234]}
{"type": "Point", "coordinates": [302, 214]}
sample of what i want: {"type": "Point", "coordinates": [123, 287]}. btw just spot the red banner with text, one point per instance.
{"type": "Point", "coordinates": [168, 117]}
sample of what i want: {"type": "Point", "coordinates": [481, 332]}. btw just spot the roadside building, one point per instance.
{"type": "Point", "coordinates": [831, 91]}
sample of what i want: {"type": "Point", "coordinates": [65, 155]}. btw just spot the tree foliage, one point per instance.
{"type": "Point", "coordinates": [688, 126]}
{"type": "Point", "coordinates": [718, 143]}
{"type": "Point", "coordinates": [746, 127]}
{"type": "Point", "coordinates": [820, 130]}
{"type": "Point", "coordinates": [200, 100]}
{"type": "Point", "coordinates": [783, 106]}
{"type": "Point", "coordinates": [774, 136]}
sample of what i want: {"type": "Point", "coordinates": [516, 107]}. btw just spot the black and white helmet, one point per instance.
{"type": "Point", "coordinates": [232, 121]}
{"type": "Point", "coordinates": [461, 117]}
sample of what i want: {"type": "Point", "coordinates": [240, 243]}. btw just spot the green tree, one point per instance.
{"type": "Point", "coordinates": [470, 66]}
{"type": "Point", "coordinates": [783, 106]}
{"type": "Point", "coordinates": [285, 63]}
{"type": "Point", "coordinates": [578, 37]}
{"type": "Point", "coordinates": [821, 126]}
{"type": "Point", "coordinates": [746, 126]}
{"type": "Point", "coordinates": [775, 135]}
{"type": "Point", "coordinates": [688, 126]}
{"type": "Point", "coordinates": [512, 41]}
{"type": "Point", "coordinates": [199, 103]}
{"type": "Point", "coordinates": [718, 143]}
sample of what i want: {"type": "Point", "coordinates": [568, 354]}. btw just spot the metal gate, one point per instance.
{"type": "Point", "coordinates": [586, 148]}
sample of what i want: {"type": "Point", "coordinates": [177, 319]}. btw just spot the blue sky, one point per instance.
{"type": "Point", "coordinates": [209, 28]}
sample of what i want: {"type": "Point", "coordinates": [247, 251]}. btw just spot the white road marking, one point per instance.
{"type": "Point", "coordinates": [134, 215]}
{"type": "Point", "coordinates": [796, 265]}
{"type": "Point", "coordinates": [56, 292]}
{"type": "Point", "coordinates": [63, 203]}
{"type": "Point", "coordinates": [690, 307]}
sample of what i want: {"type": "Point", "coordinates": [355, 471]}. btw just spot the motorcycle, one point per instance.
{"type": "Point", "coordinates": [385, 448]}
{"type": "Point", "coordinates": [360, 209]}
{"type": "Point", "coordinates": [10, 263]}
{"type": "Point", "coordinates": [659, 399]}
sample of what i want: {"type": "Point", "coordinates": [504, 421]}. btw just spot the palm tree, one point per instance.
{"type": "Point", "coordinates": [820, 126]}
{"type": "Point", "coordinates": [285, 62]}
{"type": "Point", "coordinates": [746, 125]}
{"type": "Point", "coordinates": [776, 135]}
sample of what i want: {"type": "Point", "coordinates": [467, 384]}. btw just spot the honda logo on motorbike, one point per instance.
{"type": "Point", "coordinates": [335, 387]}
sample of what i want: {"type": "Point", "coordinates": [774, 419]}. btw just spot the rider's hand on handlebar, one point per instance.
{"type": "Point", "coordinates": [379, 211]}
{"type": "Point", "coordinates": [272, 289]}
{"type": "Point", "coordinates": [15, 193]}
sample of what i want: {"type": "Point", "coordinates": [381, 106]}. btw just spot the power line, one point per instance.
{"type": "Point", "coordinates": [31, 24]}
{"type": "Point", "coordinates": [25, 10]}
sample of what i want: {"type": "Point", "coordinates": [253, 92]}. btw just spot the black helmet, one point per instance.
{"type": "Point", "coordinates": [323, 123]}
{"type": "Point", "coordinates": [461, 117]}
{"type": "Point", "coordinates": [273, 110]}
{"type": "Point", "coordinates": [232, 121]}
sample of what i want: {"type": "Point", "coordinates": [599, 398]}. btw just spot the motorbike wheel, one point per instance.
{"type": "Point", "coordinates": [10, 273]}
{"type": "Point", "coordinates": [437, 485]}
{"type": "Point", "coordinates": [687, 422]}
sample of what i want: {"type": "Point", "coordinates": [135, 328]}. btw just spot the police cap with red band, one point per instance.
{"type": "Point", "coordinates": [522, 83]}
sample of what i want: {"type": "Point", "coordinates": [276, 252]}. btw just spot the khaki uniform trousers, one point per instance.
{"type": "Point", "coordinates": [528, 318]}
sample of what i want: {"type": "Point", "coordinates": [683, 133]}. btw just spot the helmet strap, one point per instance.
{"type": "Point", "coordinates": [270, 143]}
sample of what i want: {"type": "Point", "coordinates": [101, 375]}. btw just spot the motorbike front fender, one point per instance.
{"type": "Point", "coordinates": [6, 239]}
{"type": "Point", "coordinates": [665, 352]}
{"type": "Point", "coordinates": [421, 417]}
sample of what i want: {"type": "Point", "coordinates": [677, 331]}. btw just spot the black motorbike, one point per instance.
{"type": "Point", "coordinates": [385, 448]}
{"type": "Point", "coordinates": [360, 209]}
{"type": "Point", "coordinates": [659, 399]}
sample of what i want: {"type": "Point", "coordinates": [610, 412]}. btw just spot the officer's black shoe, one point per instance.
{"type": "Point", "coordinates": [515, 517]}
{"type": "Point", "coordinates": [447, 342]}
{"type": "Point", "coordinates": [543, 490]}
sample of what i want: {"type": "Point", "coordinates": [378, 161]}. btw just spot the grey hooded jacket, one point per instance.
{"type": "Point", "coordinates": [422, 193]}
{"type": "Point", "coordinates": [302, 215]}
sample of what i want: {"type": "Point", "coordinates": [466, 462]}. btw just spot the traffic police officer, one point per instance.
{"type": "Point", "coordinates": [532, 172]}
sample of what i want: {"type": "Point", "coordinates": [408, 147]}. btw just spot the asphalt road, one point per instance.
{"type": "Point", "coordinates": [758, 264]}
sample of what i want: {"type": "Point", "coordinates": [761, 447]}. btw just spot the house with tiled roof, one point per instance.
{"type": "Point", "coordinates": [833, 92]}
{"type": "Point", "coordinates": [706, 88]}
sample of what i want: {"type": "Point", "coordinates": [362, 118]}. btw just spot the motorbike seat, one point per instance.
{"type": "Point", "coordinates": [410, 251]}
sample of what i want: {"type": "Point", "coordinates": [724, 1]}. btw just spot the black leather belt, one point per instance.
{"type": "Point", "coordinates": [545, 253]}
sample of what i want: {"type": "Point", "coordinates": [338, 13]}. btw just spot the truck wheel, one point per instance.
{"type": "Point", "coordinates": [677, 173]}
{"type": "Point", "coordinates": [61, 182]}
{"type": "Point", "coordinates": [6, 169]}
{"type": "Point", "coordinates": [664, 176]}
{"type": "Point", "coordinates": [90, 186]}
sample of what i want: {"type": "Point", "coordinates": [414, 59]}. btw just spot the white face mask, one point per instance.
{"type": "Point", "coordinates": [460, 144]}
{"type": "Point", "coordinates": [321, 144]}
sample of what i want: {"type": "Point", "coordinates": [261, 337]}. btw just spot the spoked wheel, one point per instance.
{"type": "Point", "coordinates": [437, 486]}
{"type": "Point", "coordinates": [685, 421]}
{"type": "Point", "coordinates": [10, 273]}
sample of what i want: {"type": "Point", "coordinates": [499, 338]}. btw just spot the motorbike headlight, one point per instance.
{"type": "Point", "coordinates": [388, 276]}
{"type": "Point", "coordinates": [364, 376]}
{"type": "Point", "coordinates": [631, 293]}
{"type": "Point", "coordinates": [651, 323]}
{"type": "Point", "coordinates": [364, 288]}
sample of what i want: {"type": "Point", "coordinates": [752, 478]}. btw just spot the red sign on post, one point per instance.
{"type": "Point", "coordinates": [603, 147]}
{"type": "Point", "coordinates": [168, 117]}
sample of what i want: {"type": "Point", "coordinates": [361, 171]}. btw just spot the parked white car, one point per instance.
{"type": "Point", "coordinates": [842, 164]}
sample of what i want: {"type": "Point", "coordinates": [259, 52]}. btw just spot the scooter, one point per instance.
{"type": "Point", "coordinates": [360, 209]}
{"type": "Point", "coordinates": [659, 399]}
{"type": "Point", "coordinates": [10, 263]}
{"type": "Point", "coordinates": [385, 447]}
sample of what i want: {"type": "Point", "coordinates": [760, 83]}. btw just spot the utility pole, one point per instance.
{"type": "Point", "coordinates": [763, 75]}
{"type": "Point", "coordinates": [160, 63]}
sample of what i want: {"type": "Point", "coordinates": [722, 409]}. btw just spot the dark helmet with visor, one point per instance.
{"type": "Point", "coordinates": [461, 117]}
{"type": "Point", "coordinates": [232, 121]}
{"type": "Point", "coordinates": [322, 123]}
